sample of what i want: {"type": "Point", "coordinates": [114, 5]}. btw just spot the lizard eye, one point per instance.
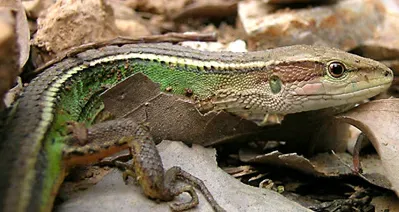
{"type": "Point", "coordinates": [336, 69]}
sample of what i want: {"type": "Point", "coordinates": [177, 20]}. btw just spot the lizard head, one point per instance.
{"type": "Point", "coordinates": [326, 77]}
{"type": "Point", "coordinates": [303, 78]}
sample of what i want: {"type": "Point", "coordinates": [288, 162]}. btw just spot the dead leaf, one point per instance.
{"type": "Point", "coordinates": [379, 120]}
{"type": "Point", "coordinates": [386, 203]}
{"type": "Point", "coordinates": [276, 158]}
{"type": "Point", "coordinates": [321, 165]}
{"type": "Point", "coordinates": [240, 171]}
{"type": "Point", "coordinates": [171, 117]}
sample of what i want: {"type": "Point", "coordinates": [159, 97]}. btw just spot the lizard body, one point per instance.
{"type": "Point", "coordinates": [278, 81]}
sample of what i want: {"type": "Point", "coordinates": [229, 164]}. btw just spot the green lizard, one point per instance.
{"type": "Point", "coordinates": [36, 157]}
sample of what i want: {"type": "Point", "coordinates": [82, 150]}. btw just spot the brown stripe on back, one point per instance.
{"type": "Point", "coordinates": [297, 70]}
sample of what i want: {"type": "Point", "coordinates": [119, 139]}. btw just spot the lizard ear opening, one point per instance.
{"type": "Point", "coordinates": [275, 84]}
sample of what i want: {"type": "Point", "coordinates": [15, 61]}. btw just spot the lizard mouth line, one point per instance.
{"type": "Point", "coordinates": [373, 88]}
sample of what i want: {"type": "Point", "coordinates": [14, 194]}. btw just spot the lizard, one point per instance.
{"type": "Point", "coordinates": [268, 83]}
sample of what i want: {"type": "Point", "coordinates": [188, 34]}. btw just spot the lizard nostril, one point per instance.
{"type": "Point", "coordinates": [388, 73]}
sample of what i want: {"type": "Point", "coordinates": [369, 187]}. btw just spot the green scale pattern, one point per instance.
{"type": "Point", "coordinates": [78, 98]}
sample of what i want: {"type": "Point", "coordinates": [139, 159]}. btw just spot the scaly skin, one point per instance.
{"type": "Point", "coordinates": [113, 136]}
{"type": "Point", "coordinates": [279, 81]}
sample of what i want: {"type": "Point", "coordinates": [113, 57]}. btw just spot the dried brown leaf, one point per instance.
{"type": "Point", "coordinates": [379, 120]}
{"type": "Point", "coordinates": [322, 165]}
{"type": "Point", "coordinates": [276, 158]}
{"type": "Point", "coordinates": [386, 203]}
{"type": "Point", "coordinates": [171, 117]}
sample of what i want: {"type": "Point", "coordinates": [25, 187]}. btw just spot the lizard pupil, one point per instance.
{"type": "Point", "coordinates": [336, 69]}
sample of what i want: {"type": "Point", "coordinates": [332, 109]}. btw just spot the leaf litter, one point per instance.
{"type": "Point", "coordinates": [302, 144]}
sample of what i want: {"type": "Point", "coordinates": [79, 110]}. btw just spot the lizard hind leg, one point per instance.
{"type": "Point", "coordinates": [109, 137]}
{"type": "Point", "coordinates": [127, 171]}
{"type": "Point", "coordinates": [175, 189]}
{"type": "Point", "coordinates": [189, 180]}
